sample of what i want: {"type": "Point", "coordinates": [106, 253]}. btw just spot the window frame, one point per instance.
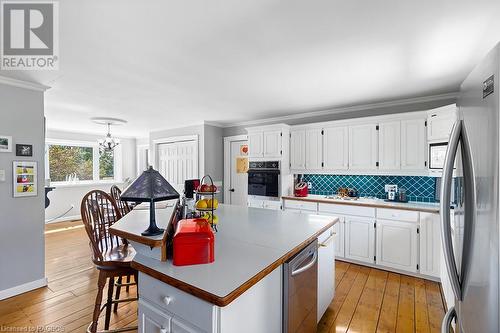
{"type": "Point", "coordinates": [117, 165]}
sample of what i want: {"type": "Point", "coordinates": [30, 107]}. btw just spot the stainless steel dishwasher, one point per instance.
{"type": "Point", "coordinates": [300, 292]}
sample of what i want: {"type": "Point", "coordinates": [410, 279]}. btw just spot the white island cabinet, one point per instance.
{"type": "Point", "coordinates": [251, 247]}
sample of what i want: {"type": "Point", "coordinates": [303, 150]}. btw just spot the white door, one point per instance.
{"type": "Point", "coordinates": [360, 239]}
{"type": "Point", "coordinates": [272, 144]}
{"type": "Point", "coordinates": [363, 146]}
{"type": "Point", "coordinates": [238, 182]}
{"type": "Point", "coordinates": [389, 145]}
{"type": "Point", "coordinates": [430, 244]}
{"type": "Point", "coordinates": [256, 144]}
{"type": "Point", "coordinates": [397, 244]}
{"type": "Point", "coordinates": [326, 271]}
{"type": "Point", "coordinates": [413, 145]}
{"type": "Point", "coordinates": [178, 161]}
{"type": "Point", "coordinates": [336, 148]}
{"type": "Point", "coordinates": [151, 320]}
{"type": "Point", "coordinates": [298, 150]}
{"type": "Point", "coordinates": [314, 149]}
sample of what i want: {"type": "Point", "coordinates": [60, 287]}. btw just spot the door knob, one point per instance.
{"type": "Point", "coordinates": [231, 190]}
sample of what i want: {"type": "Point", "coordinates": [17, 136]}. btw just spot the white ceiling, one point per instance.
{"type": "Point", "coordinates": [161, 64]}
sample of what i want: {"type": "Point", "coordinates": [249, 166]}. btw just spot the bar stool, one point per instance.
{"type": "Point", "coordinates": [111, 255]}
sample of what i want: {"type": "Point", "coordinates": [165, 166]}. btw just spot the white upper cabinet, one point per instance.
{"type": "Point", "coordinates": [336, 148]}
{"type": "Point", "coordinates": [413, 145]}
{"type": "Point", "coordinates": [256, 144]}
{"type": "Point", "coordinates": [440, 122]}
{"type": "Point", "coordinates": [363, 146]}
{"type": "Point", "coordinates": [272, 144]}
{"type": "Point", "coordinates": [389, 146]}
{"type": "Point", "coordinates": [314, 149]}
{"type": "Point", "coordinates": [298, 149]}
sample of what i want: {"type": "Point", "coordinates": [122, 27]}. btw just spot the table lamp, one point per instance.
{"type": "Point", "coordinates": [150, 187]}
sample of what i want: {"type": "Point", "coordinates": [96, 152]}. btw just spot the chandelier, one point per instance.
{"type": "Point", "coordinates": [109, 143]}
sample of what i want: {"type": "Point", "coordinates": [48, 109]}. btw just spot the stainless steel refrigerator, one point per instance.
{"type": "Point", "coordinates": [472, 258]}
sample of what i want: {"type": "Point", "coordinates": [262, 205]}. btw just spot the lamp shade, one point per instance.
{"type": "Point", "coordinates": [150, 186]}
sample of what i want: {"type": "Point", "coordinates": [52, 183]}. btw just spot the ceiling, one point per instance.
{"type": "Point", "coordinates": [162, 64]}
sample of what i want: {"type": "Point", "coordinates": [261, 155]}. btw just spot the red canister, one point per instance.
{"type": "Point", "coordinates": [193, 243]}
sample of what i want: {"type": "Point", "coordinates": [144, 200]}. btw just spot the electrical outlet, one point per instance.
{"type": "Point", "coordinates": [309, 185]}
{"type": "Point", "coordinates": [391, 188]}
{"type": "Point", "coordinates": [2, 175]}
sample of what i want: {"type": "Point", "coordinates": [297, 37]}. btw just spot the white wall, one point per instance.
{"type": "Point", "coordinates": [69, 197]}
{"type": "Point", "coordinates": [22, 248]}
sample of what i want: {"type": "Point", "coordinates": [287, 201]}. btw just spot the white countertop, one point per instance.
{"type": "Point", "coordinates": [249, 241]}
{"type": "Point", "coordinates": [371, 202]}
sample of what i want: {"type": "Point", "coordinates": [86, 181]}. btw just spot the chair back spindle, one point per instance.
{"type": "Point", "coordinates": [122, 205]}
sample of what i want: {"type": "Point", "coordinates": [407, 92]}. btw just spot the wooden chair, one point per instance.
{"type": "Point", "coordinates": [111, 255]}
{"type": "Point", "coordinates": [122, 205]}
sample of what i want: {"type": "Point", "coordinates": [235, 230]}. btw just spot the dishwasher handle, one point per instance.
{"type": "Point", "coordinates": [306, 267]}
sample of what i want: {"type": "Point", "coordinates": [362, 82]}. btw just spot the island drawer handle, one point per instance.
{"type": "Point", "coordinates": [328, 240]}
{"type": "Point", "coordinates": [167, 300]}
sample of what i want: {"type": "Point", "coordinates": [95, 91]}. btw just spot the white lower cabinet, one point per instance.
{"type": "Point", "coordinates": [326, 270]}
{"type": "Point", "coordinates": [430, 244]}
{"type": "Point", "coordinates": [397, 245]}
{"type": "Point", "coordinates": [179, 326]}
{"type": "Point", "coordinates": [267, 204]}
{"type": "Point", "coordinates": [338, 244]}
{"type": "Point", "coordinates": [360, 239]}
{"type": "Point", "coordinates": [151, 320]}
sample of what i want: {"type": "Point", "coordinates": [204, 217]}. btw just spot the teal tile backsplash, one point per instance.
{"type": "Point", "coordinates": [417, 188]}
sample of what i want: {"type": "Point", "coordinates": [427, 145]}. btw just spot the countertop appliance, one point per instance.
{"type": "Point", "coordinates": [301, 190]}
{"type": "Point", "coordinates": [264, 178]}
{"type": "Point", "coordinates": [300, 291]}
{"type": "Point", "coordinates": [473, 264]}
{"type": "Point", "coordinates": [193, 243]}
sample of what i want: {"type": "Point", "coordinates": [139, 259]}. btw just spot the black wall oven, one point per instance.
{"type": "Point", "coordinates": [264, 178]}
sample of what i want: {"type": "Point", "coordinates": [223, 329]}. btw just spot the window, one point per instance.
{"type": "Point", "coordinates": [79, 162]}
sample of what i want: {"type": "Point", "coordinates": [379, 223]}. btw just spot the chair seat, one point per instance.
{"type": "Point", "coordinates": [119, 256]}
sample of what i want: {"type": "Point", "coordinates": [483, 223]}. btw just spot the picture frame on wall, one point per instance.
{"type": "Point", "coordinates": [5, 144]}
{"type": "Point", "coordinates": [25, 179]}
{"type": "Point", "coordinates": [24, 150]}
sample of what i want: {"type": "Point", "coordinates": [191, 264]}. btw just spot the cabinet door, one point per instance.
{"type": "Point", "coordinates": [389, 146]}
{"type": "Point", "coordinates": [439, 125]}
{"type": "Point", "coordinates": [272, 144]}
{"type": "Point", "coordinates": [326, 271]}
{"type": "Point", "coordinates": [298, 150]}
{"type": "Point", "coordinates": [413, 145]}
{"type": "Point", "coordinates": [336, 148]}
{"type": "Point", "coordinates": [397, 244]}
{"type": "Point", "coordinates": [363, 147]}
{"type": "Point", "coordinates": [256, 144]}
{"type": "Point", "coordinates": [180, 326]}
{"type": "Point", "coordinates": [152, 320]}
{"type": "Point", "coordinates": [430, 244]}
{"type": "Point", "coordinates": [314, 149]}
{"type": "Point", "coordinates": [360, 239]}
{"type": "Point", "coordinates": [272, 204]}
{"type": "Point", "coordinates": [255, 203]}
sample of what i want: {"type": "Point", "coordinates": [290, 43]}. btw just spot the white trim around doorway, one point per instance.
{"type": "Point", "coordinates": [227, 161]}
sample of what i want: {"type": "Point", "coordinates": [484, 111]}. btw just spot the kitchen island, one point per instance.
{"type": "Point", "coordinates": [242, 291]}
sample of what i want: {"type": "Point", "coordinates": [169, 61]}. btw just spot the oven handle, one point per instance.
{"type": "Point", "coordinates": [273, 171]}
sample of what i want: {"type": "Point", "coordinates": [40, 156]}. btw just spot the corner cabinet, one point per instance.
{"type": "Point", "coordinates": [363, 147]}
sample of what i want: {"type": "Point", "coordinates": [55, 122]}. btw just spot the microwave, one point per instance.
{"type": "Point", "coordinates": [437, 155]}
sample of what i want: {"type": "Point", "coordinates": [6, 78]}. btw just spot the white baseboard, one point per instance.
{"type": "Point", "coordinates": [64, 219]}
{"type": "Point", "coordinates": [14, 291]}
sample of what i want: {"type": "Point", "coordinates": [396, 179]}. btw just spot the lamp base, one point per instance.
{"type": "Point", "coordinates": [152, 231]}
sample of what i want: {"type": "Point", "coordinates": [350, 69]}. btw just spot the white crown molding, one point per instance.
{"type": "Point", "coordinates": [23, 84]}
{"type": "Point", "coordinates": [354, 108]}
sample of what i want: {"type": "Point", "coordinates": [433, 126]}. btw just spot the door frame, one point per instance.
{"type": "Point", "coordinates": [227, 162]}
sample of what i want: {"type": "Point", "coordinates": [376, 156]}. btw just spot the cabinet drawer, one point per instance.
{"type": "Point", "coordinates": [397, 214]}
{"type": "Point", "coordinates": [181, 304]}
{"type": "Point", "coordinates": [347, 210]}
{"type": "Point", "coordinates": [302, 205]}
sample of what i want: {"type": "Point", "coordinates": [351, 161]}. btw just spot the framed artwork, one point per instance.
{"type": "Point", "coordinates": [24, 150]}
{"type": "Point", "coordinates": [25, 179]}
{"type": "Point", "coordinates": [5, 144]}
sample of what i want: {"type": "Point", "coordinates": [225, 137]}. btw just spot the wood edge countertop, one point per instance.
{"type": "Point", "coordinates": [412, 206]}
{"type": "Point", "coordinates": [226, 300]}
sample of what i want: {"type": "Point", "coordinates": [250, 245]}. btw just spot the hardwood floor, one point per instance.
{"type": "Point", "coordinates": [366, 300]}
{"type": "Point", "coordinates": [372, 300]}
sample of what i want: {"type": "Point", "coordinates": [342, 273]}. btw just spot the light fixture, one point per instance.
{"type": "Point", "coordinates": [109, 143]}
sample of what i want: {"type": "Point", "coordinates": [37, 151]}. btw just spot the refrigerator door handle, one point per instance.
{"type": "Point", "coordinates": [449, 258]}
{"type": "Point", "coordinates": [469, 210]}
{"type": "Point", "coordinates": [448, 318]}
